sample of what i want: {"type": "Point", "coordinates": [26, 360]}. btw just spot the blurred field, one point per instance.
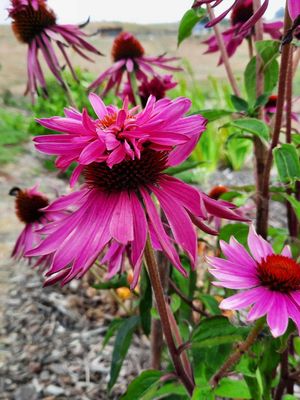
{"type": "Point", "coordinates": [156, 40]}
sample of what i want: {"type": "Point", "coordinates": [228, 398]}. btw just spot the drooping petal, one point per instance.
{"type": "Point", "coordinates": [121, 225]}
{"type": "Point", "coordinates": [277, 317]}
{"type": "Point", "coordinates": [241, 300]}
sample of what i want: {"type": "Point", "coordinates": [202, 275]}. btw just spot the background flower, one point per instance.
{"type": "Point", "coordinates": [272, 280]}
{"type": "Point", "coordinates": [234, 36]}
{"type": "Point", "coordinates": [34, 24]}
{"type": "Point", "coordinates": [129, 59]}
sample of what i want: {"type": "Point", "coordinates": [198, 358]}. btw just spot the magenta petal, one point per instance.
{"type": "Point", "coordinates": [140, 236]}
{"type": "Point", "coordinates": [258, 246]}
{"type": "Point", "coordinates": [121, 225]}
{"type": "Point", "coordinates": [180, 223]}
{"type": "Point", "coordinates": [241, 300]}
{"type": "Point", "coordinates": [98, 105]}
{"type": "Point", "coordinates": [263, 303]}
{"type": "Point", "coordinates": [160, 232]}
{"type": "Point", "coordinates": [286, 251]}
{"type": "Point", "coordinates": [294, 8]}
{"type": "Point", "coordinates": [277, 317]}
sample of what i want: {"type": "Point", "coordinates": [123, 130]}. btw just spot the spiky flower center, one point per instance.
{"type": "Point", "coordinates": [279, 273]}
{"type": "Point", "coordinates": [29, 23]}
{"type": "Point", "coordinates": [28, 206]}
{"type": "Point", "coordinates": [126, 46]}
{"type": "Point", "coordinates": [272, 101]}
{"type": "Point", "coordinates": [128, 175]}
{"type": "Point", "coordinates": [242, 12]}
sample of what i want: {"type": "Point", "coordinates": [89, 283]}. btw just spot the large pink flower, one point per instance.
{"type": "Point", "coordinates": [35, 24]}
{"type": "Point", "coordinates": [123, 163]}
{"type": "Point", "coordinates": [294, 9]}
{"type": "Point", "coordinates": [272, 280]}
{"type": "Point", "coordinates": [129, 58]}
{"type": "Point", "coordinates": [234, 36]}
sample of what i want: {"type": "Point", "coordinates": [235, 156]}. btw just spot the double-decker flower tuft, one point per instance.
{"type": "Point", "coordinates": [123, 156]}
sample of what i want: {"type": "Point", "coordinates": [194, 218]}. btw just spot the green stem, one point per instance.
{"type": "Point", "coordinates": [237, 354]}
{"type": "Point", "coordinates": [163, 313]}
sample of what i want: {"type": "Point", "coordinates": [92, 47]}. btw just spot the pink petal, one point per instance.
{"type": "Point", "coordinates": [258, 246]}
{"type": "Point", "coordinates": [241, 300]}
{"type": "Point", "coordinates": [121, 225]}
{"type": "Point", "coordinates": [140, 236]}
{"type": "Point", "coordinates": [98, 105]}
{"type": "Point", "coordinates": [277, 317]}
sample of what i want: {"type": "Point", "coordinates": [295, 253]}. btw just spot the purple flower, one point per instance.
{"type": "Point", "coordinates": [122, 157]}
{"type": "Point", "coordinates": [272, 281]}
{"type": "Point", "coordinates": [129, 58]}
{"type": "Point", "coordinates": [294, 9]}
{"type": "Point", "coordinates": [234, 36]}
{"type": "Point", "coordinates": [34, 23]}
{"type": "Point", "coordinates": [270, 109]}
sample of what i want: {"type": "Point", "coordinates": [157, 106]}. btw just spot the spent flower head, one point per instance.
{"type": "Point", "coordinates": [129, 60]}
{"type": "Point", "coordinates": [34, 24]}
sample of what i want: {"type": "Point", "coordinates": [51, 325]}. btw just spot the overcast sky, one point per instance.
{"type": "Point", "coordinates": [139, 11]}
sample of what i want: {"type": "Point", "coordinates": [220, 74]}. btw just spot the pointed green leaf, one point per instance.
{"type": "Point", "coordinates": [187, 23]}
{"type": "Point", "coordinates": [287, 162]}
{"type": "Point", "coordinates": [144, 384]}
{"type": "Point", "coordinates": [121, 346]}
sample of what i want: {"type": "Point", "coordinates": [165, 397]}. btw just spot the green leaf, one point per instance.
{"type": "Point", "coordinates": [145, 304]}
{"type": "Point", "coordinates": [239, 231]}
{"type": "Point", "coordinates": [287, 163]}
{"type": "Point", "coordinates": [210, 303]}
{"type": "Point", "coordinates": [113, 326]}
{"type": "Point", "coordinates": [294, 203]}
{"type": "Point", "coordinates": [213, 115]}
{"type": "Point", "coordinates": [289, 397]}
{"type": "Point", "coordinates": [269, 51]}
{"type": "Point", "coordinates": [171, 388]}
{"type": "Point", "coordinates": [203, 393]}
{"type": "Point", "coordinates": [114, 283]}
{"type": "Point", "coordinates": [216, 331]}
{"type": "Point", "coordinates": [142, 385]}
{"type": "Point", "coordinates": [261, 100]}
{"type": "Point", "coordinates": [187, 23]}
{"type": "Point", "coordinates": [296, 343]}
{"type": "Point", "coordinates": [252, 125]}
{"type": "Point", "coordinates": [122, 343]}
{"type": "Point", "coordinates": [238, 103]}
{"type": "Point", "coordinates": [254, 387]}
{"type": "Point", "coordinates": [187, 165]}
{"type": "Point", "coordinates": [233, 389]}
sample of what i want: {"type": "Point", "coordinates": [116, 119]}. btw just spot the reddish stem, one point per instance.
{"type": "Point", "coordinates": [163, 313]}
{"type": "Point", "coordinates": [277, 126]}
{"type": "Point", "coordinates": [224, 54]}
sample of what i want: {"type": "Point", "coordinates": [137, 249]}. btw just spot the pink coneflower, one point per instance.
{"type": "Point", "coordinates": [272, 280]}
{"type": "Point", "coordinates": [246, 24]}
{"type": "Point", "coordinates": [234, 36]}
{"type": "Point", "coordinates": [122, 156]}
{"type": "Point", "coordinates": [34, 23]}
{"type": "Point", "coordinates": [129, 58]}
{"type": "Point", "coordinates": [29, 203]}
{"type": "Point", "coordinates": [270, 109]}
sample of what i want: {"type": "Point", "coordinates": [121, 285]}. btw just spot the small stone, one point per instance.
{"type": "Point", "coordinates": [26, 392]}
{"type": "Point", "coordinates": [53, 390]}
